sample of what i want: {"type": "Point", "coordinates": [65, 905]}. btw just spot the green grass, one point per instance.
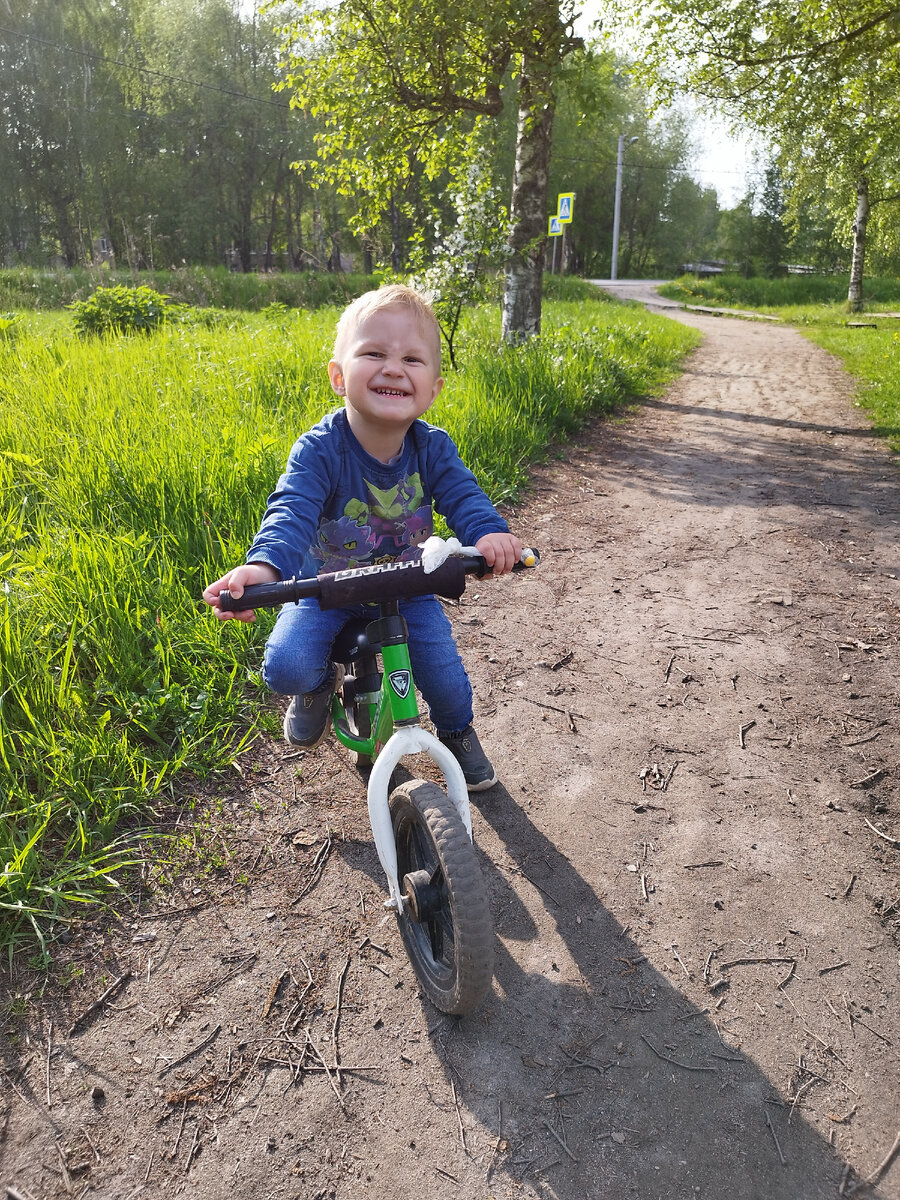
{"type": "Point", "coordinates": [817, 305]}
{"type": "Point", "coordinates": [872, 356]}
{"type": "Point", "coordinates": [135, 469]}
{"type": "Point", "coordinates": [819, 293]}
{"type": "Point", "coordinates": [208, 287]}
{"type": "Point", "coordinates": [24, 289]}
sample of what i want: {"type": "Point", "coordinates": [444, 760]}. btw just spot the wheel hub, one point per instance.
{"type": "Point", "coordinates": [422, 898]}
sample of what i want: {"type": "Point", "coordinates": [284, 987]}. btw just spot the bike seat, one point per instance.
{"type": "Point", "coordinates": [350, 641]}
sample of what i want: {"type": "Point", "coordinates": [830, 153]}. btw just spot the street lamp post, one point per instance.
{"type": "Point", "coordinates": [620, 159]}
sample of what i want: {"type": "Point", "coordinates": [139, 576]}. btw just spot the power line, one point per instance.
{"type": "Point", "coordinates": [209, 87]}
{"type": "Point", "coordinates": [611, 162]}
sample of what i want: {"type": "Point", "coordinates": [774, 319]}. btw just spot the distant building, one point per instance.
{"type": "Point", "coordinates": [102, 251]}
{"type": "Point", "coordinates": [705, 268]}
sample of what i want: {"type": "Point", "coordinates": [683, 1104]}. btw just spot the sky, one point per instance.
{"type": "Point", "coordinates": [722, 160]}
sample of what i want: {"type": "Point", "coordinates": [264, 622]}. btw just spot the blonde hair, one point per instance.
{"type": "Point", "coordinates": [393, 295]}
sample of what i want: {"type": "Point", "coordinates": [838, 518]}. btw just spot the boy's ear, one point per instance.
{"type": "Point", "coordinates": [438, 384]}
{"type": "Point", "coordinates": [336, 375]}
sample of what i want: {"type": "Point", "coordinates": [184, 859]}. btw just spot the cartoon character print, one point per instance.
{"type": "Point", "coordinates": [342, 544]}
{"type": "Point", "coordinates": [398, 520]}
{"type": "Point", "coordinates": [419, 527]}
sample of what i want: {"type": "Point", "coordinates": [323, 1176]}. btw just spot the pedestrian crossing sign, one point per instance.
{"type": "Point", "coordinates": [565, 207]}
{"type": "Point", "coordinates": [554, 229]}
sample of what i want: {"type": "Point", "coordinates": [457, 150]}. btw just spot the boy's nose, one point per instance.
{"type": "Point", "coordinates": [392, 366]}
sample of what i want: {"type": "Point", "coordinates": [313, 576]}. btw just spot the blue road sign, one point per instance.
{"type": "Point", "coordinates": [554, 229]}
{"type": "Point", "coordinates": [565, 207]}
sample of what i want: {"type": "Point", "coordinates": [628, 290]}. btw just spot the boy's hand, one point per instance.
{"type": "Point", "coordinates": [235, 581]}
{"type": "Point", "coordinates": [501, 551]}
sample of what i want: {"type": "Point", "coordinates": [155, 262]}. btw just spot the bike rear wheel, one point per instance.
{"type": "Point", "coordinates": [446, 924]}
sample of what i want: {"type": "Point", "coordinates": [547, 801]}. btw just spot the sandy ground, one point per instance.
{"type": "Point", "coordinates": [692, 859]}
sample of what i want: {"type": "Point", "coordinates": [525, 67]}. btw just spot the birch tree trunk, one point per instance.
{"type": "Point", "coordinates": [528, 206]}
{"type": "Point", "coordinates": [858, 261]}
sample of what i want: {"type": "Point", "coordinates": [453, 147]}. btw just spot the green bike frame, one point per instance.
{"type": "Point", "coordinates": [395, 702]}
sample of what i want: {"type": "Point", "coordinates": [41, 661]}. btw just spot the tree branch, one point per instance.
{"type": "Point", "coordinates": [815, 50]}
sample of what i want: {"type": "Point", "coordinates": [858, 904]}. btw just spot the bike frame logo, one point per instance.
{"type": "Point", "coordinates": [400, 683]}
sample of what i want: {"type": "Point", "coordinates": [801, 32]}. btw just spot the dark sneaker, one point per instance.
{"type": "Point", "coordinates": [466, 749]}
{"type": "Point", "coordinates": [307, 717]}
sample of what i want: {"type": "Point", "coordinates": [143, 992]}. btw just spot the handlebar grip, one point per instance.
{"type": "Point", "coordinates": [261, 595]}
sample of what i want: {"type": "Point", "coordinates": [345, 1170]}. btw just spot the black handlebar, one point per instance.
{"type": "Point", "coordinates": [365, 585]}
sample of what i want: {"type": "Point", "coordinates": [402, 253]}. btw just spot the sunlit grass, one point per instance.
{"type": "Point", "coordinates": [872, 356]}
{"type": "Point", "coordinates": [135, 469]}
{"type": "Point", "coordinates": [820, 297]}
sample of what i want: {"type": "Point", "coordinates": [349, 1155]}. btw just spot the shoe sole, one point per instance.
{"type": "Point", "coordinates": [481, 787]}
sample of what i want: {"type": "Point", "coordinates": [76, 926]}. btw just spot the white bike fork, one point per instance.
{"type": "Point", "coordinates": [409, 740]}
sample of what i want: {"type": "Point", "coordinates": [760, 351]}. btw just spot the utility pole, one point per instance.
{"type": "Point", "coordinates": [620, 160]}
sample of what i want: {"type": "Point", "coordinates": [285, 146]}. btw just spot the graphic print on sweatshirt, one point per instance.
{"type": "Point", "coordinates": [390, 525]}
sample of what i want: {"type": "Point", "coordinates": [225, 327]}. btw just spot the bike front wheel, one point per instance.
{"type": "Point", "coordinates": [446, 924]}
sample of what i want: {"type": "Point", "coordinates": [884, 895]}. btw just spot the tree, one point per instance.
{"type": "Point", "coordinates": [687, 228]}
{"type": "Point", "coordinates": [61, 117]}
{"type": "Point", "coordinates": [771, 234]}
{"type": "Point", "coordinates": [821, 79]}
{"type": "Point", "coordinates": [148, 123]}
{"type": "Point", "coordinates": [406, 86]}
{"type": "Point", "coordinates": [737, 236]}
{"type": "Point", "coordinates": [218, 139]}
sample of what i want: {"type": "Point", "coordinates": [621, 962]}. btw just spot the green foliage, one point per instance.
{"type": "Point", "coordinates": [667, 218]}
{"type": "Point", "coordinates": [202, 287]}
{"type": "Point", "coordinates": [734, 291]}
{"type": "Point", "coordinates": [821, 80]}
{"type": "Point", "coordinates": [121, 310]}
{"type": "Point", "coordinates": [396, 110]}
{"type": "Point", "coordinates": [456, 277]}
{"type": "Point", "coordinates": [150, 129]}
{"type": "Point", "coordinates": [134, 470]}
{"type": "Point", "coordinates": [8, 326]}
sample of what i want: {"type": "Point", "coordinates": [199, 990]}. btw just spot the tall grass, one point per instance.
{"type": "Point", "coordinates": [208, 287]}
{"type": "Point", "coordinates": [132, 471]}
{"type": "Point", "coordinates": [824, 295]}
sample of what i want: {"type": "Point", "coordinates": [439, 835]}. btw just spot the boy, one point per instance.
{"type": "Point", "coordinates": [359, 489]}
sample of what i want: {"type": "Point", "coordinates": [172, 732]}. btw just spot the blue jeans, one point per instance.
{"type": "Point", "coordinates": [298, 654]}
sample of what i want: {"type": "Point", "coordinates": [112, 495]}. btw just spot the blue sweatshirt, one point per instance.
{"type": "Point", "coordinates": [336, 506]}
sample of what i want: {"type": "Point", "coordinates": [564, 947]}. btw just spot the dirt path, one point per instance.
{"type": "Point", "coordinates": [693, 709]}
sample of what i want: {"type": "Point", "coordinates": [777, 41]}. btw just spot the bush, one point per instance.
{"type": "Point", "coordinates": [121, 310]}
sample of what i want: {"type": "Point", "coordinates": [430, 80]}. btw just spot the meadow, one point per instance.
{"type": "Point", "coordinates": [24, 289]}
{"type": "Point", "coordinates": [867, 343]}
{"type": "Point", "coordinates": [133, 469]}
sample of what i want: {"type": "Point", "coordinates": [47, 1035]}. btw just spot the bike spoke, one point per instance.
{"type": "Point", "coordinates": [436, 940]}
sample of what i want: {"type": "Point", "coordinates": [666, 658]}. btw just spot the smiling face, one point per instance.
{"type": "Point", "coordinates": [389, 375]}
